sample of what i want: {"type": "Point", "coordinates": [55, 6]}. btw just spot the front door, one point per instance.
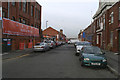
{"type": "Point", "coordinates": [119, 40]}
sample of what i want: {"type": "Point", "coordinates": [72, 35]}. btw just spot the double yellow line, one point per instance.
{"type": "Point", "coordinates": [16, 57]}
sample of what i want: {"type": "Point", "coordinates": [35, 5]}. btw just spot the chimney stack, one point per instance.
{"type": "Point", "coordinates": [61, 31]}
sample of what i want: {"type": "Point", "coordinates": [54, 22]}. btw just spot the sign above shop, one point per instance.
{"type": "Point", "coordinates": [0, 13]}
{"type": "Point", "coordinates": [15, 28]}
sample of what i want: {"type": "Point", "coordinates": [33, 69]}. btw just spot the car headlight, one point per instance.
{"type": "Point", "coordinates": [104, 60]}
{"type": "Point", "coordinates": [86, 59]}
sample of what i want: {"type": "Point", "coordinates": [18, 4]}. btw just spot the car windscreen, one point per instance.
{"type": "Point", "coordinates": [83, 43]}
{"type": "Point", "coordinates": [87, 43]}
{"type": "Point", "coordinates": [39, 44]}
{"type": "Point", "coordinates": [79, 43]}
{"type": "Point", "coordinates": [92, 50]}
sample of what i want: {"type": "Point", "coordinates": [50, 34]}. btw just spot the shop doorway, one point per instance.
{"type": "Point", "coordinates": [119, 40]}
{"type": "Point", "coordinates": [6, 45]}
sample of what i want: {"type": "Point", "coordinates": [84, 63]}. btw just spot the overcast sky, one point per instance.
{"type": "Point", "coordinates": [69, 15]}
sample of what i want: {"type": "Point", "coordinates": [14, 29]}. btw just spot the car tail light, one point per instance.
{"type": "Point", "coordinates": [42, 47]}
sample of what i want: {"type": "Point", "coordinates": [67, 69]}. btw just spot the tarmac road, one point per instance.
{"type": "Point", "coordinates": [60, 62]}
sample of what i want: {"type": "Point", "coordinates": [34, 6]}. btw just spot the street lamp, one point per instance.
{"type": "Point", "coordinates": [46, 24]}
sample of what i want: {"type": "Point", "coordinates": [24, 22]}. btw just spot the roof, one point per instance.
{"type": "Point", "coordinates": [50, 28]}
{"type": "Point", "coordinates": [102, 7]}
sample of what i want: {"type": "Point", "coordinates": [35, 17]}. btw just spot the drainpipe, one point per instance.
{"type": "Point", "coordinates": [8, 8]}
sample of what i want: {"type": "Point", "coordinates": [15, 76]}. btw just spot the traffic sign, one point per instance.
{"type": "Point", "coordinates": [0, 13]}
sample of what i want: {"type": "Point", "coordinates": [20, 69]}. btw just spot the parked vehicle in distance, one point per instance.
{"type": "Point", "coordinates": [80, 45]}
{"type": "Point", "coordinates": [51, 44]}
{"type": "Point", "coordinates": [69, 42]}
{"type": "Point", "coordinates": [92, 56]}
{"type": "Point", "coordinates": [41, 47]}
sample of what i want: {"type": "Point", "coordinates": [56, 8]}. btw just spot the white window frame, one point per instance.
{"type": "Point", "coordinates": [112, 17]}
{"type": "Point", "coordinates": [104, 22]}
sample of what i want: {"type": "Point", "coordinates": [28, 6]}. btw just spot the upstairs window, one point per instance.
{"type": "Point", "coordinates": [99, 22]}
{"type": "Point", "coordinates": [24, 6]}
{"type": "Point", "coordinates": [32, 10]}
{"type": "Point", "coordinates": [104, 21]}
{"type": "Point", "coordinates": [119, 13]}
{"type": "Point", "coordinates": [13, 3]}
{"type": "Point", "coordinates": [20, 4]}
{"type": "Point", "coordinates": [112, 17]}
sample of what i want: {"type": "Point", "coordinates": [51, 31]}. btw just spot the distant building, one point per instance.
{"type": "Point", "coordinates": [52, 34]}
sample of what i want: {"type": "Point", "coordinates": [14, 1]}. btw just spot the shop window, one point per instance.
{"type": "Point", "coordinates": [24, 22]}
{"type": "Point", "coordinates": [32, 25]}
{"type": "Point", "coordinates": [4, 14]}
{"type": "Point", "coordinates": [32, 10]}
{"type": "Point", "coordinates": [20, 20]}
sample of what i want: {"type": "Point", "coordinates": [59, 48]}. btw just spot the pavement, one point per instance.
{"type": "Point", "coordinates": [16, 53]}
{"type": "Point", "coordinates": [113, 62]}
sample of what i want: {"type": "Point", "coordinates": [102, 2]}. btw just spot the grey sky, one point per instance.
{"type": "Point", "coordinates": [69, 15]}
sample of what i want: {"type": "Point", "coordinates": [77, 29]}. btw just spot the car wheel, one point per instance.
{"type": "Point", "coordinates": [104, 67]}
{"type": "Point", "coordinates": [82, 64]}
{"type": "Point", "coordinates": [77, 54]}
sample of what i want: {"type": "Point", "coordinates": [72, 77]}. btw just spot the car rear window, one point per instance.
{"type": "Point", "coordinates": [39, 44]}
{"type": "Point", "coordinates": [92, 50]}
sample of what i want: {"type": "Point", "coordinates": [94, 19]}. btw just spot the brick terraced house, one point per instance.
{"type": "Point", "coordinates": [105, 29]}
{"type": "Point", "coordinates": [52, 34]}
{"type": "Point", "coordinates": [21, 25]}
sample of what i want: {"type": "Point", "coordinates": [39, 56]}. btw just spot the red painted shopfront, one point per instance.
{"type": "Point", "coordinates": [23, 36]}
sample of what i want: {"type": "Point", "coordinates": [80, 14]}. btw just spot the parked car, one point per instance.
{"type": "Point", "coordinates": [92, 56]}
{"type": "Point", "coordinates": [51, 44]}
{"type": "Point", "coordinates": [41, 47]}
{"type": "Point", "coordinates": [77, 43]}
{"type": "Point", "coordinates": [80, 45]}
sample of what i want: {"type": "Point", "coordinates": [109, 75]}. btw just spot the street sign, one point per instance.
{"type": "Point", "coordinates": [0, 13]}
{"type": "Point", "coordinates": [83, 34]}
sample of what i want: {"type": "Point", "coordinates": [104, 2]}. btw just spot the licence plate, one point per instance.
{"type": "Point", "coordinates": [95, 63]}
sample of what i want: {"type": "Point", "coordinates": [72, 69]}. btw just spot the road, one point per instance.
{"type": "Point", "coordinates": [56, 63]}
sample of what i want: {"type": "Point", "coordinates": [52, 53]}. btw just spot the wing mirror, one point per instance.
{"type": "Point", "coordinates": [103, 52]}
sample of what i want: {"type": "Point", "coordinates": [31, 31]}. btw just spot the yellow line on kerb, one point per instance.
{"type": "Point", "coordinates": [17, 57]}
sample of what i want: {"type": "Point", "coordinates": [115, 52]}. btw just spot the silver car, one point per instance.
{"type": "Point", "coordinates": [51, 44]}
{"type": "Point", "coordinates": [41, 47]}
{"type": "Point", "coordinates": [80, 45]}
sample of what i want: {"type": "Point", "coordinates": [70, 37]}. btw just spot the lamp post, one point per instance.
{"type": "Point", "coordinates": [46, 24]}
